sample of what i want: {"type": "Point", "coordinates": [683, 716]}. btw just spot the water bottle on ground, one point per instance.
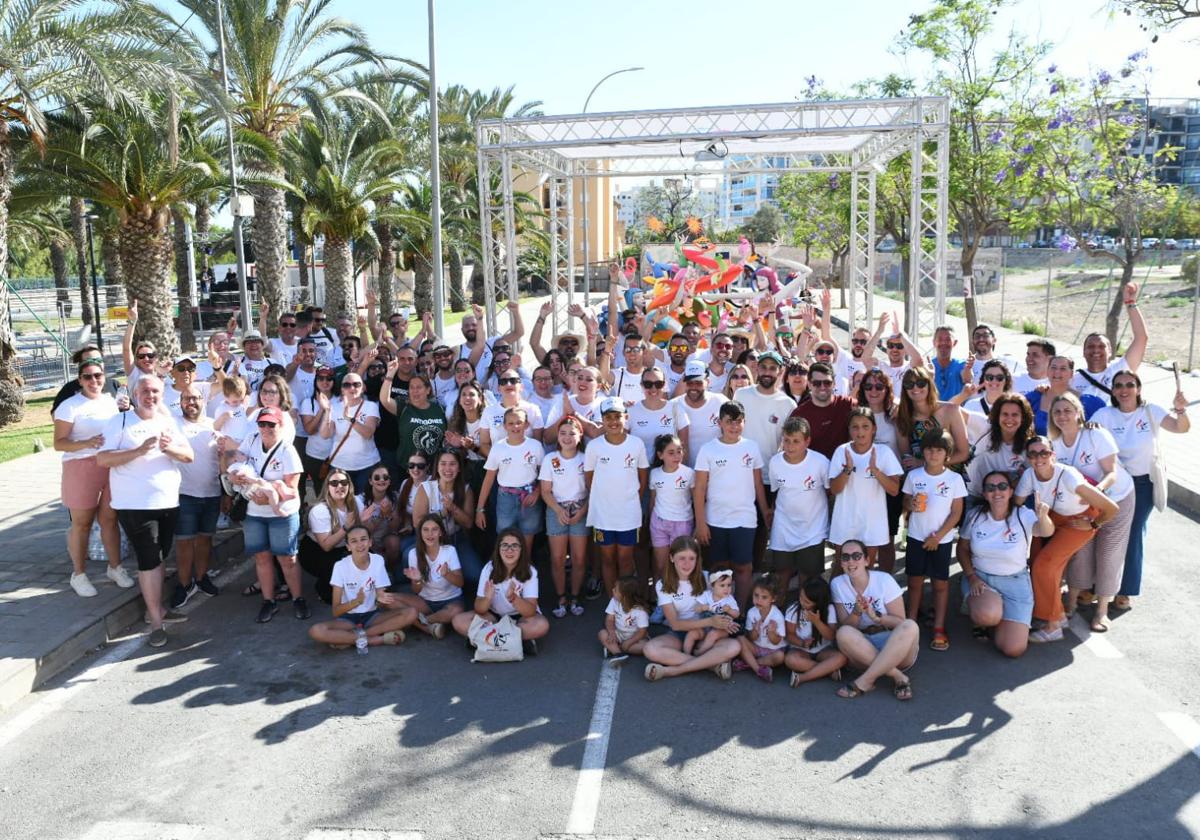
{"type": "Point", "coordinates": [360, 641]}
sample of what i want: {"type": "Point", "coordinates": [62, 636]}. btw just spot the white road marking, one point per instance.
{"type": "Point", "coordinates": [361, 834]}
{"type": "Point", "coordinates": [131, 830]}
{"type": "Point", "coordinates": [1185, 728]}
{"type": "Point", "coordinates": [591, 771]}
{"type": "Point", "coordinates": [1095, 642]}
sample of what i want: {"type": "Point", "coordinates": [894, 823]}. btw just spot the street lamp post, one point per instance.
{"type": "Point", "coordinates": [95, 289]}
{"type": "Point", "coordinates": [435, 181]}
{"type": "Point", "coordinates": [587, 286]}
{"type": "Point", "coordinates": [235, 200]}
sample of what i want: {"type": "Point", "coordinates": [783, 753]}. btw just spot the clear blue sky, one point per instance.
{"type": "Point", "coordinates": [704, 52]}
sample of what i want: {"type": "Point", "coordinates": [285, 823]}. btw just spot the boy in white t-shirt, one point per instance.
{"type": "Point", "coordinates": [512, 467]}
{"type": "Point", "coordinates": [616, 471]}
{"type": "Point", "coordinates": [800, 479]}
{"type": "Point", "coordinates": [933, 500]}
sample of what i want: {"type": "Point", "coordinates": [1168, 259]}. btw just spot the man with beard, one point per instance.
{"type": "Point", "coordinates": [900, 353]}
{"type": "Point", "coordinates": [218, 343]}
{"type": "Point", "coordinates": [983, 343]}
{"type": "Point", "coordinates": [625, 382]}
{"type": "Point", "coordinates": [767, 406]}
{"type": "Point", "coordinates": [199, 501]}
{"type": "Point", "coordinates": [678, 351]}
{"type": "Point", "coordinates": [702, 408]}
{"type": "Point", "coordinates": [183, 377]}
{"type": "Point", "coordinates": [387, 433]}
{"type": "Point", "coordinates": [828, 416]}
{"type": "Point", "coordinates": [443, 372]}
{"type": "Point", "coordinates": [253, 364]}
{"type": "Point", "coordinates": [719, 361]}
{"type": "Point", "coordinates": [1100, 367]}
{"type": "Point", "coordinates": [477, 349]}
{"type": "Point", "coordinates": [328, 352]}
{"type": "Point", "coordinates": [844, 367]}
{"type": "Point", "coordinates": [302, 370]}
{"type": "Point", "coordinates": [284, 347]}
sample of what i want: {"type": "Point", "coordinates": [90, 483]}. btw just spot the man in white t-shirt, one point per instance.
{"type": "Point", "coordinates": [284, 347]}
{"type": "Point", "coordinates": [1038, 354]}
{"type": "Point", "coordinates": [312, 322]}
{"type": "Point", "coordinates": [702, 408]}
{"type": "Point", "coordinates": [626, 382]}
{"type": "Point", "coordinates": [254, 362]}
{"type": "Point", "coordinates": [142, 449]}
{"type": "Point", "coordinates": [1096, 375]}
{"type": "Point", "coordinates": [199, 501]}
{"type": "Point", "coordinates": [183, 377]}
{"type": "Point", "coordinates": [983, 342]}
{"type": "Point", "coordinates": [767, 406]}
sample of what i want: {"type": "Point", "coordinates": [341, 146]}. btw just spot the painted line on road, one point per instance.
{"type": "Point", "coordinates": [1185, 728]}
{"type": "Point", "coordinates": [53, 700]}
{"type": "Point", "coordinates": [582, 819]}
{"type": "Point", "coordinates": [1095, 642]}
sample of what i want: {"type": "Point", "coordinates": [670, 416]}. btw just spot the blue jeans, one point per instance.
{"type": "Point", "coordinates": [279, 535]}
{"type": "Point", "coordinates": [1143, 496]}
{"type": "Point", "coordinates": [468, 559]}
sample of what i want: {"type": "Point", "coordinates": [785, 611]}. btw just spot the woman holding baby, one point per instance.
{"type": "Point", "coordinates": [272, 526]}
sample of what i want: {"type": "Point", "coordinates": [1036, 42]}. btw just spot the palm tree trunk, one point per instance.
{"type": "Point", "coordinates": [302, 266]}
{"type": "Point", "coordinates": [477, 297]}
{"type": "Point", "coordinates": [422, 284]}
{"type": "Point", "coordinates": [62, 275]}
{"type": "Point", "coordinates": [114, 274]}
{"type": "Point", "coordinates": [458, 300]}
{"type": "Point", "coordinates": [387, 263]}
{"type": "Point", "coordinates": [183, 284]}
{"type": "Point", "coordinates": [12, 401]}
{"type": "Point", "coordinates": [79, 234]}
{"type": "Point", "coordinates": [269, 237]}
{"type": "Point", "coordinates": [202, 229]}
{"type": "Point", "coordinates": [339, 277]}
{"type": "Point", "coordinates": [146, 258]}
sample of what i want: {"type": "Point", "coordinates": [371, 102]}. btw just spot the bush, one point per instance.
{"type": "Point", "coordinates": [1032, 327]}
{"type": "Point", "coordinates": [956, 308]}
{"type": "Point", "coordinates": [1008, 323]}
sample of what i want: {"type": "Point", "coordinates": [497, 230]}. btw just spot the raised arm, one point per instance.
{"type": "Point", "coordinates": [1137, 346]}
{"type": "Point", "coordinates": [516, 329]}
{"type": "Point", "coordinates": [127, 339]}
{"type": "Point", "coordinates": [535, 337]}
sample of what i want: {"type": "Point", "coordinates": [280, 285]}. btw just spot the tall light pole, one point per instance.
{"type": "Point", "coordinates": [435, 180]}
{"type": "Point", "coordinates": [235, 203]}
{"type": "Point", "coordinates": [89, 218]}
{"type": "Point", "coordinates": [587, 286]}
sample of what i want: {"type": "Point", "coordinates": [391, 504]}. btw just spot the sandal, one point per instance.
{"type": "Point", "coordinates": [851, 691]}
{"type": "Point", "coordinates": [654, 673]}
{"type": "Point", "coordinates": [980, 633]}
{"type": "Point", "coordinates": [252, 589]}
{"type": "Point", "coordinates": [940, 640]}
{"type": "Point", "coordinates": [740, 665]}
{"type": "Point", "coordinates": [1100, 624]}
{"type": "Point", "coordinates": [1122, 603]}
{"type": "Point", "coordinates": [903, 691]}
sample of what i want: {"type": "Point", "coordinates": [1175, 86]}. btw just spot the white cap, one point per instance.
{"type": "Point", "coordinates": [612, 404]}
{"type": "Point", "coordinates": [695, 369]}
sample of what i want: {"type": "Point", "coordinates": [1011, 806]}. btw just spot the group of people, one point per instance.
{"type": "Point", "coordinates": [697, 482]}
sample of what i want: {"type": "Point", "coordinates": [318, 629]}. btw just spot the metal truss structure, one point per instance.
{"type": "Point", "coordinates": [856, 137]}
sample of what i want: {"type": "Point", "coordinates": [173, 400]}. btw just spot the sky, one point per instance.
{"type": "Point", "coordinates": [724, 53]}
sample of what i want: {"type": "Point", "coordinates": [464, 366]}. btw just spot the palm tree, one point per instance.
{"type": "Point", "coordinates": [128, 168]}
{"type": "Point", "coordinates": [57, 51]}
{"type": "Point", "coordinates": [283, 56]}
{"type": "Point", "coordinates": [342, 181]}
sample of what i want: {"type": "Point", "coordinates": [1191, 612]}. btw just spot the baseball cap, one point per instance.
{"type": "Point", "coordinates": [694, 370]}
{"type": "Point", "coordinates": [271, 414]}
{"type": "Point", "coordinates": [325, 370]}
{"type": "Point", "coordinates": [770, 355]}
{"type": "Point", "coordinates": [251, 335]}
{"type": "Point", "coordinates": [612, 404]}
{"type": "Point", "coordinates": [181, 359]}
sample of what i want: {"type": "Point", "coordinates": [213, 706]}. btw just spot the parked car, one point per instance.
{"type": "Point", "coordinates": [1149, 242]}
{"type": "Point", "coordinates": [1189, 244]}
{"type": "Point", "coordinates": [1170, 244]}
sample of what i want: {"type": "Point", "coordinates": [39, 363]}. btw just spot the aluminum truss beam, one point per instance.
{"type": "Point", "coordinates": [862, 249]}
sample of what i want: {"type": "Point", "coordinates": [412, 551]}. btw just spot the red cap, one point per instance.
{"type": "Point", "coordinates": [270, 414]}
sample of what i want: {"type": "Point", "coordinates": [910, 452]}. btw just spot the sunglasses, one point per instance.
{"type": "Point", "coordinates": [653, 383]}
{"type": "Point", "coordinates": [722, 346]}
{"type": "Point", "coordinates": [739, 376]}
{"type": "Point", "coordinates": [324, 378]}
{"type": "Point", "coordinates": [821, 383]}
{"type": "Point", "coordinates": [509, 380]}
{"type": "Point", "coordinates": [92, 376]}
{"type": "Point", "coordinates": [266, 424]}
{"type": "Point", "coordinates": [679, 347]}
{"type": "Point", "coordinates": [384, 477]}
{"type": "Point", "coordinates": [873, 386]}
{"type": "Point", "coordinates": [824, 351]}
{"type": "Point", "coordinates": [417, 465]}
{"type": "Point", "coordinates": [998, 487]}
{"type": "Point", "coordinates": [351, 384]}
{"type": "Point", "coordinates": [1123, 385]}
{"type": "Point", "coordinates": [395, 323]}
{"type": "Point", "coordinates": [914, 386]}
{"type": "Point", "coordinates": [147, 355]}
{"type": "Point", "coordinates": [797, 372]}
{"type": "Point", "coordinates": [185, 368]}
{"type": "Point", "coordinates": [1038, 453]}
{"type": "Point", "coordinates": [858, 341]}
{"type": "Point", "coordinates": [508, 546]}
{"type": "Point", "coordinates": [892, 345]}
{"type": "Point", "coordinates": [338, 482]}
{"type": "Point", "coordinates": [993, 377]}
{"type": "Point", "coordinates": [287, 325]}
{"type": "Point", "coordinates": [852, 556]}
{"type": "Point", "coordinates": [270, 392]}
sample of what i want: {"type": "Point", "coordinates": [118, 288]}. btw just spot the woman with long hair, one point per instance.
{"type": "Point", "coordinates": [875, 392]}
{"type": "Point", "coordinates": [464, 431]}
{"type": "Point", "coordinates": [739, 377]}
{"type": "Point", "coordinates": [314, 411]}
{"type": "Point", "coordinates": [329, 520]}
{"type": "Point", "coordinates": [1010, 426]}
{"type": "Point", "coordinates": [350, 424]}
{"type": "Point", "coordinates": [508, 586]}
{"type": "Point", "coordinates": [448, 495]}
{"type": "Point", "coordinates": [920, 411]}
{"type": "Point", "coordinates": [977, 400]}
{"type": "Point", "coordinates": [379, 512]}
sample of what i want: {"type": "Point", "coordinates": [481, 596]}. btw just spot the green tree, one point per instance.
{"type": "Point", "coordinates": [661, 211]}
{"type": "Point", "coordinates": [765, 225]}
{"type": "Point", "coordinates": [1160, 14]}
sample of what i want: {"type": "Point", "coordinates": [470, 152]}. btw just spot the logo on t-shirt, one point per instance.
{"type": "Point", "coordinates": [555, 464]}
{"type": "Point", "coordinates": [809, 482]}
{"type": "Point", "coordinates": [747, 461]}
{"type": "Point", "coordinates": [681, 483]}
{"type": "Point", "coordinates": [1086, 458]}
{"type": "Point", "coordinates": [942, 489]}
{"type": "Point", "coordinates": [630, 461]}
{"type": "Point", "coordinates": [529, 458]}
{"type": "Point", "coordinates": [774, 418]}
{"type": "Point", "coordinates": [1141, 425]}
{"type": "Point", "coordinates": [720, 462]}
{"type": "Point", "coordinates": [1009, 537]}
{"type": "Point", "coordinates": [665, 421]}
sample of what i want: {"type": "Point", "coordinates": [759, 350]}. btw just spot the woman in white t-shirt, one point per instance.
{"type": "Point", "coordinates": [79, 423]}
{"type": "Point", "coordinates": [993, 549]}
{"type": "Point", "coordinates": [681, 586]}
{"type": "Point", "coordinates": [977, 400]}
{"type": "Point", "coordinates": [1010, 425]}
{"type": "Point", "coordinates": [464, 431]}
{"type": "Point", "coordinates": [1091, 450]}
{"type": "Point", "coordinates": [324, 542]}
{"type": "Point", "coordinates": [1078, 510]}
{"type": "Point", "coordinates": [1134, 424]}
{"type": "Point", "coordinates": [275, 393]}
{"type": "Point", "coordinates": [378, 510]}
{"type": "Point", "coordinates": [350, 423]}
{"type": "Point", "coordinates": [655, 415]}
{"type": "Point", "coordinates": [449, 496]}
{"type": "Point", "coordinates": [314, 411]}
{"type": "Point", "coordinates": [508, 586]}
{"type": "Point", "coordinates": [872, 631]}
{"type": "Point", "coordinates": [436, 576]}
{"type": "Point", "coordinates": [564, 490]}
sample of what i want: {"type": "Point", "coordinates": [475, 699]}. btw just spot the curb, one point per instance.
{"type": "Point", "coordinates": [23, 676]}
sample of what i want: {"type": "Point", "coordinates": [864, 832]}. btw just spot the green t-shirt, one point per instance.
{"type": "Point", "coordinates": [421, 430]}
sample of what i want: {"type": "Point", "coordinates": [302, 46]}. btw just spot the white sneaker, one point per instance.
{"type": "Point", "coordinates": [119, 576]}
{"type": "Point", "coordinates": [82, 586]}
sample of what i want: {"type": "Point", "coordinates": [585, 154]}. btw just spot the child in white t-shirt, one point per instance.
{"type": "Point", "coordinates": [512, 467]}
{"type": "Point", "coordinates": [862, 475]}
{"type": "Point", "coordinates": [277, 492]}
{"type": "Point", "coordinates": [718, 599]}
{"type": "Point", "coordinates": [626, 622]}
{"type": "Point", "coordinates": [231, 411]}
{"type": "Point", "coordinates": [765, 642]}
{"type": "Point", "coordinates": [811, 625]}
{"type": "Point", "coordinates": [671, 483]}
{"type": "Point", "coordinates": [360, 584]}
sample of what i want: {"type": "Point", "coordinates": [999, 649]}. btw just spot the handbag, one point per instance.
{"type": "Point", "coordinates": [1158, 469]}
{"type": "Point", "coordinates": [324, 471]}
{"type": "Point", "coordinates": [498, 642]}
{"type": "Point", "coordinates": [241, 505]}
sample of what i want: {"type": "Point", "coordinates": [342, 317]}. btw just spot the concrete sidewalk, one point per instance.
{"type": "Point", "coordinates": [44, 625]}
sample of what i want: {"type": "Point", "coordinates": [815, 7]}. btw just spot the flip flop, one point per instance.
{"type": "Point", "coordinates": [903, 691]}
{"type": "Point", "coordinates": [252, 589]}
{"type": "Point", "coordinates": [1101, 624]}
{"type": "Point", "coordinates": [851, 691]}
{"type": "Point", "coordinates": [1122, 603]}
{"type": "Point", "coordinates": [940, 641]}
{"type": "Point", "coordinates": [653, 672]}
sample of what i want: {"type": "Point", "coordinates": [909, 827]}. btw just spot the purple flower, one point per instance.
{"type": "Point", "coordinates": [1001, 175]}
{"type": "Point", "coordinates": [1019, 170]}
{"type": "Point", "coordinates": [997, 136]}
{"type": "Point", "coordinates": [1137, 56]}
{"type": "Point", "coordinates": [1104, 78]}
{"type": "Point", "coordinates": [1054, 88]}
{"type": "Point", "coordinates": [1027, 149]}
{"type": "Point", "coordinates": [1052, 69]}
{"type": "Point", "coordinates": [1066, 116]}
{"type": "Point", "coordinates": [1054, 123]}
{"type": "Point", "coordinates": [1066, 242]}
{"type": "Point", "coordinates": [834, 181]}
{"type": "Point", "coordinates": [1041, 171]}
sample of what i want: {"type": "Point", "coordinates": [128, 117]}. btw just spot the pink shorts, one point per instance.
{"type": "Point", "coordinates": [84, 483]}
{"type": "Point", "coordinates": [663, 531]}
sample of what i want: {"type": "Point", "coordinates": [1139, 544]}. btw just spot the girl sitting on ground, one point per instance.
{"type": "Point", "coordinates": [508, 586]}
{"type": "Point", "coordinates": [436, 576]}
{"type": "Point", "coordinates": [811, 625]}
{"type": "Point", "coordinates": [626, 622]}
{"type": "Point", "coordinates": [765, 641]}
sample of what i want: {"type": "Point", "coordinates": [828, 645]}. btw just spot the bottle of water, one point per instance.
{"type": "Point", "coordinates": [360, 641]}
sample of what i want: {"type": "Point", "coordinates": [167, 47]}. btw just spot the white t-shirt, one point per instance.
{"type": "Point", "coordinates": [860, 510]}
{"type": "Point", "coordinates": [804, 628]}
{"type": "Point", "coordinates": [284, 462]}
{"type": "Point", "coordinates": [320, 520]}
{"type": "Point", "coordinates": [544, 404]}
{"type": "Point", "coordinates": [1104, 377]}
{"type": "Point", "coordinates": [350, 579]}
{"type": "Point", "coordinates": [317, 447]}
{"type": "Point", "coordinates": [493, 419]}
{"type": "Point", "coordinates": [999, 547]}
{"type": "Point", "coordinates": [976, 413]}
{"type": "Point", "coordinates": [171, 398]}
{"type": "Point", "coordinates": [515, 466]}
{"type": "Point", "coordinates": [276, 349]}
{"type": "Point", "coordinates": [1133, 433]}
{"type": "Point", "coordinates": [500, 604]}
{"type": "Point", "coordinates": [765, 414]}
{"type": "Point", "coordinates": [626, 622]}
{"type": "Point", "coordinates": [703, 422]}
{"type": "Point", "coordinates": [358, 452]}
{"type": "Point", "coordinates": [302, 385]}
{"type": "Point", "coordinates": [707, 602]}
{"type": "Point", "coordinates": [684, 601]}
{"type": "Point", "coordinates": [1058, 491]}
{"type": "Point", "coordinates": [615, 489]}
{"type": "Point", "coordinates": [761, 639]}
{"type": "Point", "coordinates": [565, 476]}
{"type": "Point", "coordinates": [896, 374]}
{"type": "Point", "coordinates": [940, 492]}
{"type": "Point", "coordinates": [646, 424]}
{"type": "Point", "coordinates": [89, 417]}
{"type": "Point", "coordinates": [881, 590]}
{"type": "Point", "coordinates": [254, 370]}
{"type": "Point", "coordinates": [845, 366]}
{"type": "Point", "coordinates": [287, 432]}
{"type": "Point", "coordinates": [589, 411]}
{"type": "Point", "coordinates": [329, 351]}
{"type": "Point", "coordinates": [628, 386]}
{"type": "Point", "coordinates": [886, 433]}
{"type": "Point", "coordinates": [801, 502]}
{"type": "Point", "coordinates": [150, 481]}
{"type": "Point", "coordinates": [1024, 383]}
{"type": "Point", "coordinates": [672, 376]}
{"type": "Point", "coordinates": [673, 493]}
{"type": "Point", "coordinates": [1015, 366]}
{"type": "Point", "coordinates": [438, 588]}
{"type": "Point", "coordinates": [1090, 448]}
{"type": "Point", "coordinates": [986, 461]}
{"type": "Point", "coordinates": [717, 381]}
{"type": "Point", "coordinates": [730, 496]}
{"type": "Point", "coordinates": [201, 478]}
{"type": "Point", "coordinates": [237, 425]}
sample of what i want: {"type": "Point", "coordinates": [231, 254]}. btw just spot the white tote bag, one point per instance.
{"type": "Point", "coordinates": [1158, 469]}
{"type": "Point", "coordinates": [499, 642]}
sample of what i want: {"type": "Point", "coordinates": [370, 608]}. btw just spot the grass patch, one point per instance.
{"type": "Point", "coordinates": [956, 308]}
{"type": "Point", "coordinates": [1008, 323]}
{"type": "Point", "coordinates": [20, 441]}
{"type": "Point", "coordinates": [1032, 327]}
{"type": "Point", "coordinates": [1177, 302]}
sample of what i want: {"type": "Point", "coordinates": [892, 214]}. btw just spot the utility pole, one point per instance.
{"type": "Point", "coordinates": [235, 200]}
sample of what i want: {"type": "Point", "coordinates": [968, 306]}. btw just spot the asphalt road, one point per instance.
{"type": "Point", "coordinates": [241, 731]}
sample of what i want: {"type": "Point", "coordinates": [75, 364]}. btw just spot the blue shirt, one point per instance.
{"type": "Point", "coordinates": [949, 379]}
{"type": "Point", "coordinates": [1091, 405]}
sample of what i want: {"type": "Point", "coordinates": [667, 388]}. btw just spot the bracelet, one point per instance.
{"type": "Point", "coordinates": [1131, 305]}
